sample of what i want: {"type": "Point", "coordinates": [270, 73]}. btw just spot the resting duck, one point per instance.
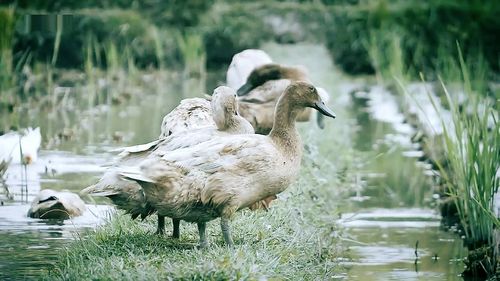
{"type": "Point", "coordinates": [228, 173]}
{"type": "Point", "coordinates": [190, 114]}
{"type": "Point", "coordinates": [128, 195]}
{"type": "Point", "coordinates": [26, 142]}
{"type": "Point", "coordinates": [271, 71]}
{"type": "Point", "coordinates": [51, 204]}
{"type": "Point", "coordinates": [258, 96]}
{"type": "Point", "coordinates": [242, 64]}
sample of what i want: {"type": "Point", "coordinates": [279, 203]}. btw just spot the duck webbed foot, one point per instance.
{"type": "Point", "coordinates": [161, 225]}
{"type": "Point", "coordinates": [203, 237]}
{"type": "Point", "coordinates": [226, 233]}
{"type": "Point", "coordinates": [176, 233]}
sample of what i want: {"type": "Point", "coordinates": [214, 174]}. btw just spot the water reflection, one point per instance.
{"type": "Point", "coordinates": [393, 232]}
{"type": "Point", "coordinates": [79, 136]}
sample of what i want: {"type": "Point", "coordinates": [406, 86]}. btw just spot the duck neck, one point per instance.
{"type": "Point", "coordinates": [230, 124]}
{"type": "Point", "coordinates": [284, 132]}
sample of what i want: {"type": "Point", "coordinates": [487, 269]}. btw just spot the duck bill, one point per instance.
{"type": "Point", "coordinates": [245, 89]}
{"type": "Point", "coordinates": [323, 109]}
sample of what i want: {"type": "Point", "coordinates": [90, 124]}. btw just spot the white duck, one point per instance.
{"type": "Point", "coordinates": [228, 173]}
{"type": "Point", "coordinates": [242, 64]}
{"type": "Point", "coordinates": [128, 195]}
{"type": "Point", "coordinates": [20, 147]}
{"type": "Point", "coordinates": [51, 204]}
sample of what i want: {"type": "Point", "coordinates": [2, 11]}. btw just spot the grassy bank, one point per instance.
{"type": "Point", "coordinates": [297, 239]}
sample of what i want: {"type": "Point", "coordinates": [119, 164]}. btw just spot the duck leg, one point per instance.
{"type": "Point", "coordinates": [161, 225]}
{"type": "Point", "coordinates": [203, 237]}
{"type": "Point", "coordinates": [176, 232]}
{"type": "Point", "coordinates": [226, 233]}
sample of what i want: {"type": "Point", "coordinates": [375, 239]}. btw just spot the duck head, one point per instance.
{"type": "Point", "coordinates": [269, 72]}
{"type": "Point", "coordinates": [224, 105]}
{"type": "Point", "coordinates": [303, 94]}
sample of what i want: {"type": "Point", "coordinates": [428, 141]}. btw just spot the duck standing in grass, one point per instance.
{"type": "Point", "coordinates": [259, 95]}
{"type": "Point", "coordinates": [228, 173]}
{"type": "Point", "coordinates": [51, 204]}
{"type": "Point", "coordinates": [224, 119]}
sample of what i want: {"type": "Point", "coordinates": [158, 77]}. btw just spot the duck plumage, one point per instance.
{"type": "Point", "coordinates": [128, 195]}
{"type": "Point", "coordinates": [259, 95]}
{"type": "Point", "coordinates": [51, 204]}
{"type": "Point", "coordinates": [228, 173]}
{"type": "Point", "coordinates": [242, 64]}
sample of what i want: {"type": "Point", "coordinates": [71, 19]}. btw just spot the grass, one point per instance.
{"type": "Point", "coordinates": [470, 173]}
{"type": "Point", "coordinates": [192, 52]}
{"type": "Point", "coordinates": [296, 239]}
{"type": "Point", "coordinates": [473, 157]}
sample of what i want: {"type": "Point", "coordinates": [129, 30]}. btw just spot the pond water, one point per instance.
{"type": "Point", "coordinates": [385, 215]}
{"type": "Point", "coordinates": [393, 227]}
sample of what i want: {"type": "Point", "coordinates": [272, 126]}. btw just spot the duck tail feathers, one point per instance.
{"type": "Point", "coordinates": [136, 175]}
{"type": "Point", "coordinates": [98, 190]}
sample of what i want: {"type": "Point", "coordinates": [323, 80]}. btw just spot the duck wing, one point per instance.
{"type": "Point", "coordinates": [190, 114]}
{"type": "Point", "coordinates": [225, 170]}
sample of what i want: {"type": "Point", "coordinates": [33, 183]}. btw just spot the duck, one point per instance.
{"type": "Point", "coordinates": [271, 71]}
{"type": "Point", "coordinates": [20, 147]}
{"type": "Point", "coordinates": [217, 178]}
{"type": "Point", "coordinates": [192, 113]}
{"type": "Point", "coordinates": [242, 64]}
{"type": "Point", "coordinates": [51, 204]}
{"type": "Point", "coordinates": [128, 195]}
{"type": "Point", "coordinates": [258, 96]}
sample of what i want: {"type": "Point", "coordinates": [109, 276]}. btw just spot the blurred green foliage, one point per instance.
{"type": "Point", "coordinates": [349, 28]}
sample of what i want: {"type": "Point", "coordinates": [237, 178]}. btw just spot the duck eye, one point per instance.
{"type": "Point", "coordinates": [311, 88]}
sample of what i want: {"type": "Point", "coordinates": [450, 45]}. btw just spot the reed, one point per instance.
{"type": "Point", "coordinates": [57, 41]}
{"type": "Point", "coordinates": [7, 20]}
{"type": "Point", "coordinates": [192, 51]}
{"type": "Point", "coordinates": [472, 155]}
{"type": "Point", "coordinates": [469, 168]}
{"type": "Point", "coordinates": [471, 172]}
{"type": "Point", "coordinates": [469, 165]}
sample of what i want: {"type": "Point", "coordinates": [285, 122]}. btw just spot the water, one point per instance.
{"type": "Point", "coordinates": [78, 143]}
{"type": "Point", "coordinates": [390, 207]}
{"type": "Point", "coordinates": [393, 228]}
{"type": "Point", "coordinates": [384, 214]}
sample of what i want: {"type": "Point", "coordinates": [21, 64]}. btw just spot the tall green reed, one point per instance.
{"type": "Point", "coordinates": [470, 167]}
{"type": "Point", "coordinates": [57, 40]}
{"type": "Point", "coordinates": [473, 156]}
{"type": "Point", "coordinates": [192, 50]}
{"type": "Point", "coordinates": [7, 21]}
